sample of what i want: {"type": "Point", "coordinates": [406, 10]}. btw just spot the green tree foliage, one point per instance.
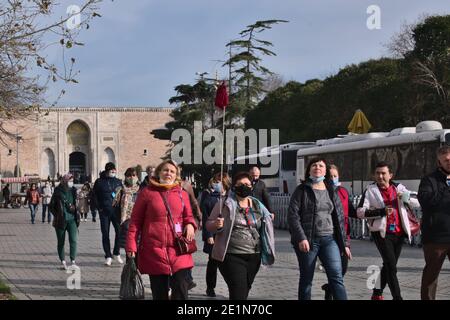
{"type": "Point", "coordinates": [196, 102]}
{"type": "Point", "coordinates": [430, 58]}
{"type": "Point", "coordinates": [248, 74]}
{"type": "Point", "coordinates": [391, 92]}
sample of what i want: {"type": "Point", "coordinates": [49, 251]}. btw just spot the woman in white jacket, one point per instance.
{"type": "Point", "coordinates": [383, 205]}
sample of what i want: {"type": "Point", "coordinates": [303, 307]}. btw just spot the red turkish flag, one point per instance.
{"type": "Point", "coordinates": [222, 96]}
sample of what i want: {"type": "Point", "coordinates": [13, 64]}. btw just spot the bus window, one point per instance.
{"type": "Point", "coordinates": [300, 170]}
{"type": "Point", "coordinates": [288, 160]}
{"type": "Point", "coordinates": [358, 165]}
{"type": "Point", "coordinates": [447, 139]}
{"type": "Point", "coordinates": [430, 157]}
{"type": "Point", "coordinates": [411, 161]}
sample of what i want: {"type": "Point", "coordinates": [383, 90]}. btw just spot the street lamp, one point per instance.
{"type": "Point", "coordinates": [18, 138]}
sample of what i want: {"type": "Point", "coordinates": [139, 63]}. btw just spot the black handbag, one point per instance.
{"type": "Point", "coordinates": [131, 284]}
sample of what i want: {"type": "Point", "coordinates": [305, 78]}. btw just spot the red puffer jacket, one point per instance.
{"type": "Point", "coordinates": [156, 253]}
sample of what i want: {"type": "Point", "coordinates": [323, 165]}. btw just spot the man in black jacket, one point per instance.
{"type": "Point", "coordinates": [434, 197]}
{"type": "Point", "coordinates": [259, 189]}
{"type": "Point", "coordinates": [104, 191]}
{"type": "Point", "coordinates": [6, 195]}
{"type": "Point", "coordinates": [150, 170]}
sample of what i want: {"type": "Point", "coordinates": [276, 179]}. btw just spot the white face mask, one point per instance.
{"type": "Point", "coordinates": [112, 174]}
{"type": "Point", "coordinates": [70, 184]}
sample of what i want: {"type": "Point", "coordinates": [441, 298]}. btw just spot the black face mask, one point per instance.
{"type": "Point", "coordinates": [243, 191]}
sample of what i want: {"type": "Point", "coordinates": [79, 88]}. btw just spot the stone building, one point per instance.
{"type": "Point", "coordinates": [83, 140]}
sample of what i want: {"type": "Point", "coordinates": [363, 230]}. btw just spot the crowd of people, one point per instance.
{"type": "Point", "coordinates": [235, 218]}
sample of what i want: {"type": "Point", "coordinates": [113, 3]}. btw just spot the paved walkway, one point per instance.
{"type": "Point", "coordinates": [29, 263]}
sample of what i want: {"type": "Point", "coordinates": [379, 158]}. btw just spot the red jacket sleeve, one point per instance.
{"type": "Point", "coordinates": [137, 221]}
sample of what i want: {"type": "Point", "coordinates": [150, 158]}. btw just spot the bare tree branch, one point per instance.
{"type": "Point", "coordinates": [25, 72]}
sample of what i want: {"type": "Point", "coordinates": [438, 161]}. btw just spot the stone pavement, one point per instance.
{"type": "Point", "coordinates": [29, 264]}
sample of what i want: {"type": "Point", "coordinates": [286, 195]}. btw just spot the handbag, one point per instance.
{"type": "Point", "coordinates": [414, 224]}
{"type": "Point", "coordinates": [131, 284]}
{"type": "Point", "coordinates": [182, 244]}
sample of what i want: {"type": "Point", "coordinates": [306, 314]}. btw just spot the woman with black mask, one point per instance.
{"type": "Point", "coordinates": [243, 237]}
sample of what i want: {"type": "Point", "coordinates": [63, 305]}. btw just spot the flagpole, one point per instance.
{"type": "Point", "coordinates": [222, 159]}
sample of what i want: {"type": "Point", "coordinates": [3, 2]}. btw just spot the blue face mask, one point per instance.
{"type": "Point", "coordinates": [336, 182]}
{"type": "Point", "coordinates": [217, 187]}
{"type": "Point", "coordinates": [317, 179]}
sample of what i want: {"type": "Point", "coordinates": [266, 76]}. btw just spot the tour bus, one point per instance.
{"type": "Point", "coordinates": [411, 151]}
{"type": "Point", "coordinates": [284, 180]}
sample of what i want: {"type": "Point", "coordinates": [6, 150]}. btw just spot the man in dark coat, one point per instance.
{"type": "Point", "coordinates": [434, 198]}
{"type": "Point", "coordinates": [104, 191]}
{"type": "Point", "coordinates": [6, 195]}
{"type": "Point", "coordinates": [259, 189]}
{"type": "Point", "coordinates": [150, 170]}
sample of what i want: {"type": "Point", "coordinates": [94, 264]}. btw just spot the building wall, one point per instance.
{"type": "Point", "coordinates": [28, 149]}
{"type": "Point", "coordinates": [135, 128]}
{"type": "Point", "coordinates": [124, 131]}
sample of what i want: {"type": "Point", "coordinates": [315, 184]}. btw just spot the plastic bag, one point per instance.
{"type": "Point", "coordinates": [131, 285]}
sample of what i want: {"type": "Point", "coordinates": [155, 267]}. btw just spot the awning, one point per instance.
{"type": "Point", "coordinates": [16, 180]}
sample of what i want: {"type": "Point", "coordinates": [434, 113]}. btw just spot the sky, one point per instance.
{"type": "Point", "coordinates": [139, 50]}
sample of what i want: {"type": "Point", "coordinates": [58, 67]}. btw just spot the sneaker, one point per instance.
{"type": "Point", "coordinates": [63, 265]}
{"type": "Point", "coordinates": [210, 293]}
{"type": "Point", "coordinates": [377, 297]}
{"type": "Point", "coordinates": [93, 220]}
{"type": "Point", "coordinates": [74, 264]}
{"type": "Point", "coordinates": [108, 261]}
{"type": "Point", "coordinates": [191, 285]}
{"type": "Point", "coordinates": [118, 259]}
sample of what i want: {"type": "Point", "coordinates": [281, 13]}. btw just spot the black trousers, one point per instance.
{"type": "Point", "coordinates": [211, 273]}
{"type": "Point", "coordinates": [177, 282]}
{"type": "Point", "coordinates": [390, 248]}
{"type": "Point", "coordinates": [239, 272]}
{"type": "Point", "coordinates": [105, 224]}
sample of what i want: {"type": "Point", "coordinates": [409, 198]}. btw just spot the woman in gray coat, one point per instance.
{"type": "Point", "coordinates": [243, 237]}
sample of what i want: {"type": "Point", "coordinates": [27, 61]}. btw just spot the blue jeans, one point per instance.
{"type": "Point", "coordinates": [44, 211]}
{"type": "Point", "coordinates": [105, 224]}
{"type": "Point", "coordinates": [33, 209]}
{"type": "Point", "coordinates": [327, 250]}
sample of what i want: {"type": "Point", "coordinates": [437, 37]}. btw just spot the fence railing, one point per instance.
{"type": "Point", "coordinates": [358, 227]}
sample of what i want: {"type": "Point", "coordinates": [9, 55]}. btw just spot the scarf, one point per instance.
{"type": "Point", "coordinates": [156, 184]}
{"type": "Point", "coordinates": [127, 202]}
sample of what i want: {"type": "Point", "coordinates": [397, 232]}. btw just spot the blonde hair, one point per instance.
{"type": "Point", "coordinates": [161, 166]}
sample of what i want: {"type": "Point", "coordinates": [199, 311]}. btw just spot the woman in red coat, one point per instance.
{"type": "Point", "coordinates": [150, 222]}
{"type": "Point", "coordinates": [349, 212]}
